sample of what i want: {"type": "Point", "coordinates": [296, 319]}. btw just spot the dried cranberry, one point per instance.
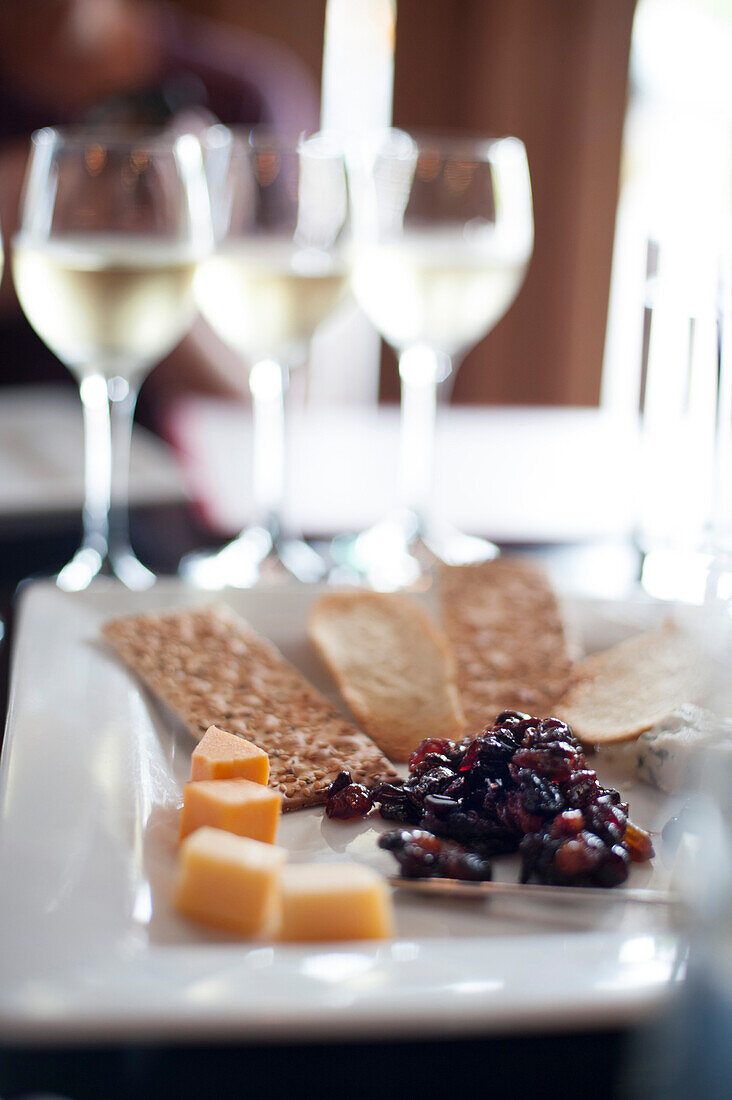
{"type": "Point", "coordinates": [343, 779]}
{"type": "Point", "coordinates": [614, 868]}
{"type": "Point", "coordinates": [466, 866]}
{"type": "Point", "coordinates": [606, 821]}
{"type": "Point", "coordinates": [418, 855]}
{"type": "Point", "coordinates": [394, 840]}
{"type": "Point", "coordinates": [488, 750]}
{"type": "Point", "coordinates": [530, 848]}
{"type": "Point", "coordinates": [579, 856]}
{"type": "Point", "coordinates": [439, 745]}
{"type": "Point", "coordinates": [439, 804]}
{"type": "Point", "coordinates": [510, 717]}
{"type": "Point", "coordinates": [455, 789]}
{"type": "Point", "coordinates": [473, 831]}
{"type": "Point", "coordinates": [581, 789]}
{"type": "Point", "coordinates": [568, 823]}
{"type": "Point", "coordinates": [406, 813]}
{"type": "Point", "coordinates": [521, 783]}
{"type": "Point", "coordinates": [638, 844]}
{"type": "Point", "coordinates": [389, 792]}
{"type": "Point", "coordinates": [431, 761]}
{"type": "Point", "coordinates": [554, 729]}
{"type": "Point", "coordinates": [556, 725]}
{"type": "Point", "coordinates": [555, 760]}
{"type": "Point", "coordinates": [610, 796]}
{"type": "Point", "coordinates": [353, 800]}
{"type": "Point", "coordinates": [515, 815]}
{"type": "Point", "coordinates": [433, 781]}
{"type": "Point", "coordinates": [540, 796]}
{"type": "Point", "coordinates": [421, 855]}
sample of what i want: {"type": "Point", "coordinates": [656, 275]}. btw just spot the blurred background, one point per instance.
{"type": "Point", "coordinates": [592, 426]}
{"type": "Point", "coordinates": [625, 112]}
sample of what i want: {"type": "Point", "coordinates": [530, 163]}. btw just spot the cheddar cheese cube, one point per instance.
{"type": "Point", "coordinates": [222, 755]}
{"type": "Point", "coordinates": [229, 881]}
{"type": "Point", "coordinates": [236, 805]}
{"type": "Point", "coordinates": [334, 901]}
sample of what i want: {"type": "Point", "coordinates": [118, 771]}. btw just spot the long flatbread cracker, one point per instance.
{"type": "Point", "coordinates": [504, 625]}
{"type": "Point", "coordinates": [618, 694]}
{"type": "Point", "coordinates": [392, 666]}
{"type": "Point", "coordinates": [209, 667]}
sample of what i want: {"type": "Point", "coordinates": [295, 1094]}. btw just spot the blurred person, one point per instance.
{"type": "Point", "coordinates": [133, 62]}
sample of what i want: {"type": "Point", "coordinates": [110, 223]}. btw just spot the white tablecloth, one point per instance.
{"type": "Point", "coordinates": [523, 475]}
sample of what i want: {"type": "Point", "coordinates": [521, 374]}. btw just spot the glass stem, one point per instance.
{"type": "Point", "coordinates": [108, 408]}
{"type": "Point", "coordinates": [421, 368]}
{"type": "Point", "coordinates": [97, 463]}
{"type": "Point", "coordinates": [122, 401]}
{"type": "Point", "coordinates": [268, 381]}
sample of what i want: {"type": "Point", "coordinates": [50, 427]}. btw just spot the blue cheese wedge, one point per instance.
{"type": "Point", "coordinates": [666, 755]}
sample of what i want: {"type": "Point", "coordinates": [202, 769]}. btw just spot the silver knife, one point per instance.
{"type": "Point", "coordinates": [456, 888]}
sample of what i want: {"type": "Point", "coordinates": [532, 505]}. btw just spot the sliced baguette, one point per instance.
{"type": "Point", "coordinates": [618, 694]}
{"type": "Point", "coordinates": [391, 665]}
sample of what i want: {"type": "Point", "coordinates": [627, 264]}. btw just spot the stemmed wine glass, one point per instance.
{"type": "Point", "coordinates": [444, 233]}
{"type": "Point", "coordinates": [280, 268]}
{"type": "Point", "coordinates": [112, 227]}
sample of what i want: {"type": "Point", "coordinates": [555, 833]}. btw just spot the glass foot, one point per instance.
{"type": "Point", "coordinates": [394, 554]}
{"type": "Point", "coordinates": [454, 548]}
{"type": "Point", "coordinates": [88, 563]}
{"type": "Point", "coordinates": [254, 558]}
{"type": "Point", "coordinates": [676, 574]}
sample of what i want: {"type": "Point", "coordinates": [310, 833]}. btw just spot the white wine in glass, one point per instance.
{"type": "Point", "coordinates": [444, 237]}
{"type": "Point", "coordinates": [109, 306]}
{"type": "Point", "coordinates": [112, 228]}
{"type": "Point", "coordinates": [267, 298]}
{"type": "Point", "coordinates": [441, 288]}
{"type": "Point", "coordinates": [280, 268]}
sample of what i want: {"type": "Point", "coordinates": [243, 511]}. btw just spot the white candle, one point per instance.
{"type": "Point", "coordinates": [357, 94]}
{"type": "Point", "coordinates": [358, 65]}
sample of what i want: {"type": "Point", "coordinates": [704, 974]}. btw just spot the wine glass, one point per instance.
{"type": "Point", "coordinates": [112, 226]}
{"type": "Point", "coordinates": [280, 268]}
{"type": "Point", "coordinates": [443, 236]}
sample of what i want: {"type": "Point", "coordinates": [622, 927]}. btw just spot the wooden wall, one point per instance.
{"type": "Point", "coordinates": [554, 72]}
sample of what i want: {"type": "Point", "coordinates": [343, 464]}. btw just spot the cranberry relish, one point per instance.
{"type": "Point", "coordinates": [521, 784]}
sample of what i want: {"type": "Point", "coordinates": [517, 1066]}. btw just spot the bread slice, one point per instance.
{"type": "Point", "coordinates": [618, 694]}
{"type": "Point", "coordinates": [505, 627]}
{"type": "Point", "coordinates": [210, 668]}
{"type": "Point", "coordinates": [392, 667]}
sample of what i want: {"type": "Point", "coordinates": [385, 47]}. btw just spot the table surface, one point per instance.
{"type": "Point", "coordinates": [514, 474]}
{"type": "Point", "coordinates": [41, 455]}
{"type": "Point", "coordinates": [598, 1062]}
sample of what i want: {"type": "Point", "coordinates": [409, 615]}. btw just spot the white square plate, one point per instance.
{"type": "Point", "coordinates": [91, 948]}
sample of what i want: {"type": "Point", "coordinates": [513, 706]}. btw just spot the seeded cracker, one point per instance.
{"type": "Point", "coordinates": [209, 667]}
{"type": "Point", "coordinates": [504, 625]}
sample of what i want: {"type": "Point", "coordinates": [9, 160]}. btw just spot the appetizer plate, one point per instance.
{"type": "Point", "coordinates": [92, 949]}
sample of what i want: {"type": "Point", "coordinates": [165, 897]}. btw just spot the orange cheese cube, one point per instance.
{"type": "Point", "coordinates": [334, 901]}
{"type": "Point", "coordinates": [222, 755]}
{"type": "Point", "coordinates": [236, 805]}
{"type": "Point", "coordinates": [229, 881]}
